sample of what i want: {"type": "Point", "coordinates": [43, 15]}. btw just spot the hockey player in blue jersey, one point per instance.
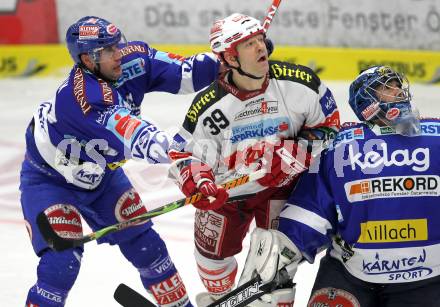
{"type": "Point", "coordinates": [76, 143]}
{"type": "Point", "coordinates": [373, 200]}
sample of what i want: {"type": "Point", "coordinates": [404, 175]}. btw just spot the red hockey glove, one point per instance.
{"type": "Point", "coordinates": [284, 161]}
{"type": "Point", "coordinates": [198, 177]}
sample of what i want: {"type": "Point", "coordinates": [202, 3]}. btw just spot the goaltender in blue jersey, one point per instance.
{"type": "Point", "coordinates": [76, 143]}
{"type": "Point", "coordinates": [373, 201]}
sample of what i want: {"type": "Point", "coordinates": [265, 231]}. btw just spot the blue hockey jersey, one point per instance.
{"type": "Point", "coordinates": [92, 126]}
{"type": "Point", "coordinates": [373, 198]}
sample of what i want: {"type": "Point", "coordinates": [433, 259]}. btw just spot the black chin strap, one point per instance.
{"type": "Point", "coordinates": [97, 72]}
{"type": "Point", "coordinates": [241, 71]}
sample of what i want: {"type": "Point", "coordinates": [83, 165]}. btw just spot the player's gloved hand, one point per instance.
{"type": "Point", "coordinates": [269, 46]}
{"type": "Point", "coordinates": [284, 161]}
{"type": "Point", "coordinates": [198, 177]}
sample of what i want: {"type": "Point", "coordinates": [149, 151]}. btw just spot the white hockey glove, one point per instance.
{"type": "Point", "coordinates": [269, 252]}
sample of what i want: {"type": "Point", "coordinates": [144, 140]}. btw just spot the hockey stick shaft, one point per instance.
{"type": "Point", "coordinates": [240, 297]}
{"type": "Point", "coordinates": [58, 243]}
{"type": "Point", "coordinates": [251, 290]}
{"type": "Point", "coordinates": [271, 14]}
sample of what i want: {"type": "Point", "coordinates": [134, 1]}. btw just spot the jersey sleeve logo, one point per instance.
{"type": "Point", "coordinates": [79, 91]}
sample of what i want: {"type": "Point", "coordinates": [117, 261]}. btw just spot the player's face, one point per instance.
{"type": "Point", "coordinates": [110, 62]}
{"type": "Point", "coordinates": [390, 92]}
{"type": "Point", "coordinates": [253, 57]}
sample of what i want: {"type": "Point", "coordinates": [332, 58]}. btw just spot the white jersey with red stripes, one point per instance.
{"type": "Point", "coordinates": [223, 122]}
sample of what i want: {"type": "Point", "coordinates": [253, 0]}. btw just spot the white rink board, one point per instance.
{"type": "Point", "coordinates": [394, 24]}
{"type": "Point", "coordinates": [103, 267]}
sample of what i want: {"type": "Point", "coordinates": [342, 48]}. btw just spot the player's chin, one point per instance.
{"type": "Point", "coordinates": [117, 73]}
{"type": "Point", "coordinates": [263, 65]}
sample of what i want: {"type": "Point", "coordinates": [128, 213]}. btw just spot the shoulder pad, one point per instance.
{"type": "Point", "coordinates": [295, 73]}
{"type": "Point", "coordinates": [349, 124]}
{"type": "Point", "coordinates": [202, 101]}
{"type": "Point", "coordinates": [430, 126]}
{"type": "Point", "coordinates": [349, 133]}
{"type": "Point", "coordinates": [135, 47]}
{"type": "Point", "coordinates": [432, 119]}
{"type": "Point", "coordinates": [90, 92]}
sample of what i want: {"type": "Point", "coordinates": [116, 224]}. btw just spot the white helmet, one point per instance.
{"type": "Point", "coordinates": [227, 33]}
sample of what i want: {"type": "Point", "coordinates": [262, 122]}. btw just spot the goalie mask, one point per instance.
{"type": "Point", "coordinates": [381, 96]}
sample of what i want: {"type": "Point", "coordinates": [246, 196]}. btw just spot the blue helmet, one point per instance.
{"type": "Point", "coordinates": [381, 95]}
{"type": "Point", "coordinates": [90, 34]}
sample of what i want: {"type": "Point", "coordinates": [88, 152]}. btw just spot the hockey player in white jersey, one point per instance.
{"type": "Point", "coordinates": [373, 200]}
{"type": "Point", "coordinates": [253, 117]}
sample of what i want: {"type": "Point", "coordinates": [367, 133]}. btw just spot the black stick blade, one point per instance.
{"type": "Point", "coordinates": [127, 297]}
{"type": "Point", "coordinates": [52, 239]}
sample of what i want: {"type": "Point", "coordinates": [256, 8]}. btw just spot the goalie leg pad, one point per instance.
{"type": "Point", "coordinates": [218, 276]}
{"type": "Point", "coordinates": [148, 253]}
{"type": "Point", "coordinates": [57, 272]}
{"type": "Point", "coordinates": [277, 298]}
{"type": "Point", "coordinates": [270, 251]}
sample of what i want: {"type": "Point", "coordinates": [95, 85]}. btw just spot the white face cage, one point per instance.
{"type": "Point", "coordinates": [389, 87]}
